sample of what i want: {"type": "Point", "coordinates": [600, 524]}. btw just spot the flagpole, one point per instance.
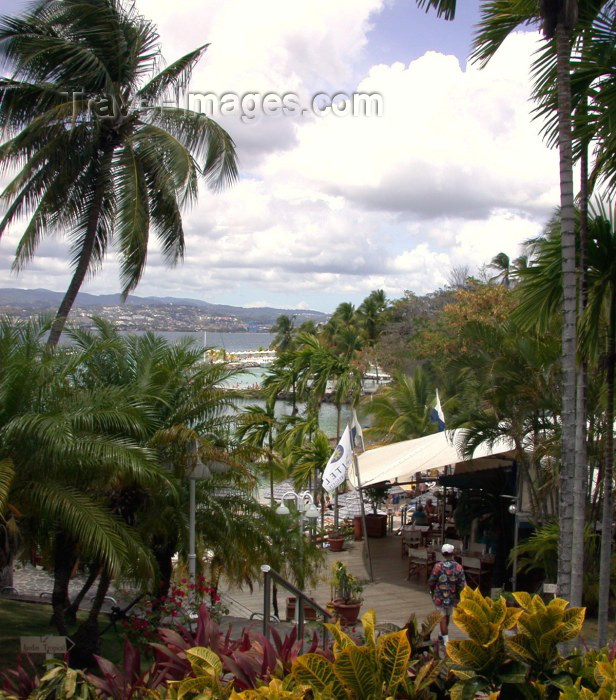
{"type": "Point", "coordinates": [363, 515]}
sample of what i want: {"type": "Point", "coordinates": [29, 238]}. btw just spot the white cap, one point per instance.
{"type": "Point", "coordinates": [447, 549]}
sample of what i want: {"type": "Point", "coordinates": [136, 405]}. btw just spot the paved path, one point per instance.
{"type": "Point", "coordinates": [391, 597]}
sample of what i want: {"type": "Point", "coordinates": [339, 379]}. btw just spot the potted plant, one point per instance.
{"type": "Point", "coordinates": [376, 524]}
{"type": "Point", "coordinates": [335, 539]}
{"type": "Point", "coordinates": [346, 598]}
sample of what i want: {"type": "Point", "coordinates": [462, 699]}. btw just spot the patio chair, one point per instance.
{"type": "Point", "coordinates": [433, 539]}
{"type": "Point", "coordinates": [420, 564]}
{"type": "Point", "coordinates": [473, 571]}
{"type": "Point", "coordinates": [411, 539]}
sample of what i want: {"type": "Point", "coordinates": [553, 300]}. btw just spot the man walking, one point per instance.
{"type": "Point", "coordinates": [446, 581]}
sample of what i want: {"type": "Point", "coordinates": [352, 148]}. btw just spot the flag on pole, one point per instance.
{"type": "Point", "coordinates": [339, 463]}
{"type": "Point", "coordinates": [357, 436]}
{"type": "Point", "coordinates": [437, 414]}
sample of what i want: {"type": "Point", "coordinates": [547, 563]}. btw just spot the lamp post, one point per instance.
{"type": "Point", "coordinates": [306, 509]}
{"type": "Point", "coordinates": [198, 471]}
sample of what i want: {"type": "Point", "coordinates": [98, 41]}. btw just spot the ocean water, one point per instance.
{"type": "Point", "coordinates": [252, 376]}
{"type": "Point", "coordinates": [228, 341]}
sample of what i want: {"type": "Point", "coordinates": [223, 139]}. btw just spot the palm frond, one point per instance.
{"type": "Point", "coordinates": [133, 218]}
{"type": "Point", "coordinates": [7, 474]}
{"type": "Point", "coordinates": [175, 77]}
{"type": "Point", "coordinates": [444, 8]}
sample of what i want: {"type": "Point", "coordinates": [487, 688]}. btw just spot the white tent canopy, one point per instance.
{"type": "Point", "coordinates": [403, 460]}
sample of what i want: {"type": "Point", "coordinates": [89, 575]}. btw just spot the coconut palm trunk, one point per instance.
{"type": "Point", "coordinates": [605, 559]}
{"type": "Point", "coordinates": [581, 448]}
{"type": "Point", "coordinates": [568, 410]}
{"type": "Point", "coordinates": [64, 561]}
{"type": "Point", "coordinates": [85, 254]}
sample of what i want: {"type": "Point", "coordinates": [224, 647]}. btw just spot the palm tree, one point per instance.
{"type": "Point", "coordinates": [371, 313]}
{"type": "Point", "coordinates": [601, 312]}
{"type": "Point", "coordinates": [61, 444]}
{"type": "Point", "coordinates": [257, 425]}
{"type": "Point", "coordinates": [284, 328]}
{"type": "Point", "coordinates": [557, 20]}
{"type": "Point", "coordinates": [541, 290]}
{"type": "Point", "coordinates": [402, 410]}
{"type": "Point", "coordinates": [502, 265]}
{"type": "Point", "coordinates": [103, 162]}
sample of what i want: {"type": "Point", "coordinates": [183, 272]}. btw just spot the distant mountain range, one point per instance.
{"type": "Point", "coordinates": [41, 300]}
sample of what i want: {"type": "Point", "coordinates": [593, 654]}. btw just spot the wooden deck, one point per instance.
{"type": "Point", "coordinates": [391, 597]}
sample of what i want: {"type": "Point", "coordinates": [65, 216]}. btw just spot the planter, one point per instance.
{"type": "Point", "coordinates": [335, 544]}
{"type": "Point", "coordinates": [347, 613]}
{"type": "Point", "coordinates": [358, 532]}
{"type": "Point", "coordinates": [309, 612]}
{"type": "Point", "coordinates": [376, 525]}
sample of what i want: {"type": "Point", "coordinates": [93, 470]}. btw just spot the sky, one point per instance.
{"type": "Point", "coordinates": [330, 207]}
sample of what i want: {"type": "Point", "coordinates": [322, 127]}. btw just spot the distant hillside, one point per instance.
{"type": "Point", "coordinates": [22, 301]}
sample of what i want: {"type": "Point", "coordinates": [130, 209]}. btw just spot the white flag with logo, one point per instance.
{"type": "Point", "coordinates": [357, 434]}
{"type": "Point", "coordinates": [336, 469]}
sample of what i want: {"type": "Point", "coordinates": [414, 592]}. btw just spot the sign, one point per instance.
{"type": "Point", "coordinates": [48, 644]}
{"type": "Point", "coordinates": [550, 588]}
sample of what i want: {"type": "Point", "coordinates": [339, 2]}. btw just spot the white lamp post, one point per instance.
{"type": "Point", "coordinates": [197, 472]}
{"type": "Point", "coordinates": [306, 509]}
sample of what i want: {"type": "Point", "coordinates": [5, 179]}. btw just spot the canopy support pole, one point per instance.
{"type": "Point", "coordinates": [363, 516]}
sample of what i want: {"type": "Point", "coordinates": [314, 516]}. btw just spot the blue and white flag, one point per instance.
{"type": "Point", "coordinates": [336, 470]}
{"type": "Point", "coordinates": [437, 414]}
{"type": "Point", "coordinates": [357, 436]}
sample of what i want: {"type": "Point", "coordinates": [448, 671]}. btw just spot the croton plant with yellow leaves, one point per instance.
{"type": "Point", "coordinates": [512, 652]}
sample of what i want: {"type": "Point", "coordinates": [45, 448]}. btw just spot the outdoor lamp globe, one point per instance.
{"type": "Point", "coordinates": [312, 512]}
{"type": "Point", "coordinates": [282, 510]}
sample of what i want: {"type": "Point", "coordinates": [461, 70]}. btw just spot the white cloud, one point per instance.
{"type": "Point", "coordinates": [451, 142]}
{"type": "Point", "coordinates": [329, 209]}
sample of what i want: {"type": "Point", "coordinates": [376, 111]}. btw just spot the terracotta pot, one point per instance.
{"type": "Point", "coordinates": [358, 530]}
{"type": "Point", "coordinates": [347, 612]}
{"type": "Point", "coordinates": [309, 612]}
{"type": "Point", "coordinates": [335, 544]}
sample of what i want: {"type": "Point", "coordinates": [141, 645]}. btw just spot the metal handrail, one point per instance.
{"type": "Point", "coordinates": [270, 575]}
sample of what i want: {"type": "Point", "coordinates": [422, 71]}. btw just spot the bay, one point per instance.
{"type": "Point", "coordinates": [233, 342]}
{"type": "Point", "coordinates": [252, 377]}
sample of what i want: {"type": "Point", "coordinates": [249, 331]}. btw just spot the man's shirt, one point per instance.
{"type": "Point", "coordinates": [446, 581]}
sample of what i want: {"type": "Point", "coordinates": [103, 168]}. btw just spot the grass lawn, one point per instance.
{"type": "Point", "coordinates": [19, 619]}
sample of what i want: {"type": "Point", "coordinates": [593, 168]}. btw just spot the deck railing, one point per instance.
{"type": "Point", "coordinates": [270, 576]}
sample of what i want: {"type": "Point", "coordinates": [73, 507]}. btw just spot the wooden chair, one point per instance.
{"type": "Point", "coordinates": [435, 539]}
{"type": "Point", "coordinates": [472, 570]}
{"type": "Point", "coordinates": [410, 540]}
{"type": "Point", "coordinates": [420, 564]}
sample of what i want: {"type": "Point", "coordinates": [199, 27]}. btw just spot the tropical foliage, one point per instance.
{"type": "Point", "coordinates": [510, 652]}
{"type": "Point", "coordinates": [95, 442]}
{"type": "Point", "coordinates": [99, 155]}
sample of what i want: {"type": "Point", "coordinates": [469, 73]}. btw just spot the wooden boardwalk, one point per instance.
{"type": "Point", "coordinates": [390, 595]}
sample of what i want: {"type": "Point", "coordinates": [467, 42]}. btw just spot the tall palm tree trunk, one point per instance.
{"type": "Point", "coordinates": [64, 561]}
{"type": "Point", "coordinates": [71, 611]}
{"type": "Point", "coordinates": [581, 448]}
{"type": "Point", "coordinates": [86, 638]}
{"type": "Point", "coordinates": [605, 559]}
{"type": "Point", "coordinates": [87, 248]}
{"type": "Point", "coordinates": [563, 48]}
{"type": "Point", "coordinates": [6, 571]}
